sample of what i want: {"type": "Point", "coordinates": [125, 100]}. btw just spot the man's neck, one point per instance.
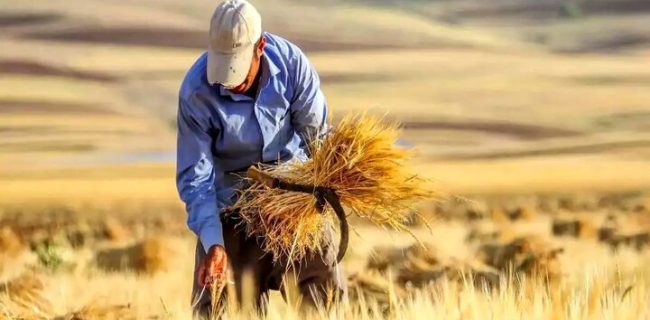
{"type": "Point", "coordinates": [252, 91]}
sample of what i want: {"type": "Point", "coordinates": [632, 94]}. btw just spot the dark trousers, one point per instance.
{"type": "Point", "coordinates": [318, 277]}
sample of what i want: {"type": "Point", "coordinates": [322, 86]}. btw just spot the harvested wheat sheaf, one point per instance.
{"type": "Point", "coordinates": [373, 286]}
{"type": "Point", "coordinates": [115, 231]}
{"type": "Point", "coordinates": [360, 159]}
{"type": "Point", "coordinates": [10, 244]}
{"type": "Point", "coordinates": [149, 256]}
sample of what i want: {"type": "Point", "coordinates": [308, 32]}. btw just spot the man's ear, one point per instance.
{"type": "Point", "coordinates": [260, 46]}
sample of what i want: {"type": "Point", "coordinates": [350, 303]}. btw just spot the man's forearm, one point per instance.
{"type": "Point", "coordinates": [204, 221]}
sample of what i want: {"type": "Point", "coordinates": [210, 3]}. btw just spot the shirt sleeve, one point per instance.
{"type": "Point", "coordinates": [196, 174]}
{"type": "Point", "coordinates": [308, 107]}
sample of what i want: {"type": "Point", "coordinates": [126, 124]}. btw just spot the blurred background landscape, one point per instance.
{"type": "Point", "coordinates": [505, 94]}
{"type": "Point", "coordinates": [513, 99]}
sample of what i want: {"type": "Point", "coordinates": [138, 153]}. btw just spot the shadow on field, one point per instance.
{"type": "Point", "coordinates": [610, 43]}
{"type": "Point", "coordinates": [47, 146]}
{"type": "Point", "coordinates": [14, 19]}
{"type": "Point", "coordinates": [539, 10]}
{"type": "Point", "coordinates": [590, 147]}
{"type": "Point", "coordinates": [159, 37]}
{"type": "Point", "coordinates": [8, 106]}
{"type": "Point", "coordinates": [342, 78]}
{"type": "Point", "coordinates": [187, 38]}
{"type": "Point", "coordinates": [35, 68]}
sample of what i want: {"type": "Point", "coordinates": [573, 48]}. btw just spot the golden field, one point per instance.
{"type": "Point", "coordinates": [525, 116]}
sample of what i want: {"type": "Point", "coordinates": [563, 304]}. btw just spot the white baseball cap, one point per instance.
{"type": "Point", "coordinates": [235, 28]}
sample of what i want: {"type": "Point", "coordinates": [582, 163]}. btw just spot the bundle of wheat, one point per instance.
{"type": "Point", "coordinates": [374, 287]}
{"type": "Point", "coordinates": [152, 255]}
{"type": "Point", "coordinates": [474, 273]}
{"type": "Point", "coordinates": [384, 258]}
{"type": "Point", "coordinates": [578, 227]}
{"type": "Point", "coordinates": [637, 240]}
{"type": "Point", "coordinates": [381, 258]}
{"type": "Point", "coordinates": [10, 245]}
{"type": "Point", "coordinates": [114, 230]}
{"type": "Point", "coordinates": [529, 255]}
{"type": "Point", "coordinates": [360, 159]}
{"type": "Point", "coordinates": [149, 256]}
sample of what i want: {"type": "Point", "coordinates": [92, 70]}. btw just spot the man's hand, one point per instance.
{"type": "Point", "coordinates": [213, 267]}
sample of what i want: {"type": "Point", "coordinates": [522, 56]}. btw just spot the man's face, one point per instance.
{"type": "Point", "coordinates": [254, 69]}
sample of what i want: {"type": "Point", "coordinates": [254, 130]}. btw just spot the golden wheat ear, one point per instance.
{"type": "Point", "coordinates": [360, 159]}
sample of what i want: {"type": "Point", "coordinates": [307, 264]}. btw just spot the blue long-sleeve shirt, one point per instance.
{"type": "Point", "coordinates": [220, 132]}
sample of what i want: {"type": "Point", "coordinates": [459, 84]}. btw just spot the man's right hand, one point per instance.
{"type": "Point", "coordinates": [213, 267]}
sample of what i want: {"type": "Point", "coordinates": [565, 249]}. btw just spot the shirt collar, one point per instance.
{"type": "Point", "coordinates": [235, 96]}
{"type": "Point", "coordinates": [269, 70]}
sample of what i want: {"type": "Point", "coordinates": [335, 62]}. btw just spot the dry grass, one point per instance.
{"type": "Point", "coordinates": [26, 300]}
{"type": "Point", "coordinates": [99, 311]}
{"type": "Point", "coordinates": [601, 97]}
{"type": "Point", "coordinates": [373, 286]}
{"type": "Point", "coordinates": [149, 256]}
{"type": "Point", "coordinates": [114, 230]}
{"type": "Point", "coordinates": [153, 255]}
{"type": "Point", "coordinates": [596, 283]}
{"type": "Point", "coordinates": [578, 227]}
{"type": "Point", "coordinates": [10, 244]}
{"type": "Point", "coordinates": [25, 297]}
{"type": "Point", "coordinates": [360, 160]}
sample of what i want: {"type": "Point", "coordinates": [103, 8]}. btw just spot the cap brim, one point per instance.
{"type": "Point", "coordinates": [229, 70]}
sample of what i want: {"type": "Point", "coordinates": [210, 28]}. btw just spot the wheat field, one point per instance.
{"type": "Point", "coordinates": [532, 119]}
{"type": "Point", "coordinates": [94, 264]}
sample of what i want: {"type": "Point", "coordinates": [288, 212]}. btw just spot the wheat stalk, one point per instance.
{"type": "Point", "coordinates": [360, 159]}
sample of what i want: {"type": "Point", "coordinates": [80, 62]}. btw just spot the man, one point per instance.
{"type": "Point", "coordinates": [252, 97]}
